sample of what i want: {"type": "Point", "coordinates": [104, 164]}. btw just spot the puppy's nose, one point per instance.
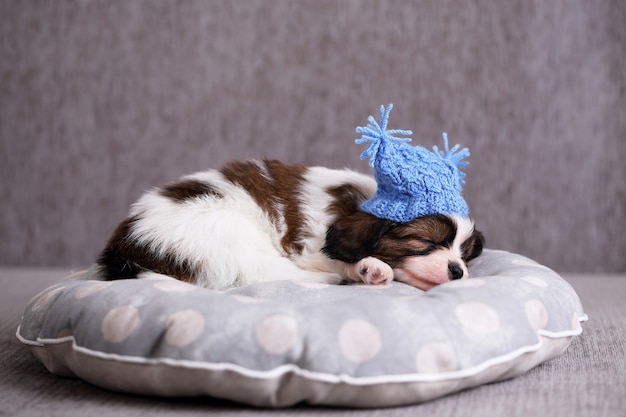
{"type": "Point", "coordinates": [455, 270]}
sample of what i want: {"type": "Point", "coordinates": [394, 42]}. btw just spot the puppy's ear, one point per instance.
{"type": "Point", "coordinates": [473, 246]}
{"type": "Point", "coordinates": [356, 236]}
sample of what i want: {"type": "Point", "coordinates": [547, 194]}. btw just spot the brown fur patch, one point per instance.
{"type": "Point", "coordinates": [288, 179]}
{"type": "Point", "coordinates": [186, 189]}
{"type": "Point", "coordinates": [250, 176]}
{"type": "Point", "coordinates": [124, 257]}
{"type": "Point", "coordinates": [355, 236]}
{"type": "Point", "coordinates": [347, 199]}
{"type": "Point", "coordinates": [472, 247]}
{"type": "Point", "coordinates": [416, 238]}
{"type": "Point", "coordinates": [273, 185]}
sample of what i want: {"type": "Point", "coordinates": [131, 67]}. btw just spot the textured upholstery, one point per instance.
{"type": "Point", "coordinates": [101, 100]}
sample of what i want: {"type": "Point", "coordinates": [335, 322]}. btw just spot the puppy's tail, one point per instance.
{"type": "Point", "coordinates": [112, 266]}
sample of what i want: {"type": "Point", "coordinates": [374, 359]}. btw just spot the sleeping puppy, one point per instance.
{"type": "Point", "coordinates": [264, 220]}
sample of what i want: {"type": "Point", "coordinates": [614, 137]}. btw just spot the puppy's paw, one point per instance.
{"type": "Point", "coordinates": [373, 271]}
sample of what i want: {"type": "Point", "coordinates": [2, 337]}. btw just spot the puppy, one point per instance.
{"type": "Point", "coordinates": [264, 220]}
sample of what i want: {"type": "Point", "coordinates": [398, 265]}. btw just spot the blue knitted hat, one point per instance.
{"type": "Point", "coordinates": [412, 181]}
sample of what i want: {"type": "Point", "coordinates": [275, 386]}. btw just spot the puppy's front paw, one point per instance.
{"type": "Point", "coordinates": [373, 271]}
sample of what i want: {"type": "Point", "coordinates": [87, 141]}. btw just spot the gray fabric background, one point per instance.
{"type": "Point", "coordinates": [101, 99]}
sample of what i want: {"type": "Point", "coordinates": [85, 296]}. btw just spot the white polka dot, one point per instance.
{"type": "Point", "coordinates": [277, 334]}
{"type": "Point", "coordinates": [184, 327]}
{"type": "Point", "coordinates": [119, 323]}
{"type": "Point", "coordinates": [173, 286]}
{"type": "Point", "coordinates": [478, 317]}
{"type": "Point", "coordinates": [359, 340]}
{"type": "Point", "coordinates": [312, 285]}
{"type": "Point", "coordinates": [436, 357]}
{"type": "Point", "coordinates": [536, 314]}
{"type": "Point", "coordinates": [91, 288]}
{"type": "Point", "coordinates": [538, 282]}
{"type": "Point", "coordinates": [467, 283]}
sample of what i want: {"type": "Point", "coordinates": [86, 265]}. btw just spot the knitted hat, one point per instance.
{"type": "Point", "coordinates": [412, 181]}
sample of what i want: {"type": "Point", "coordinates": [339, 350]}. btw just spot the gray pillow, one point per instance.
{"type": "Point", "coordinates": [284, 342]}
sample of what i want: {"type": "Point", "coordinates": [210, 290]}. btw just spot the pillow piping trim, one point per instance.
{"type": "Point", "coordinates": [285, 369]}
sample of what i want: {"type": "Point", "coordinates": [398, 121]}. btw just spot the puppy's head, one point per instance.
{"type": "Point", "coordinates": [430, 250]}
{"type": "Point", "coordinates": [424, 252]}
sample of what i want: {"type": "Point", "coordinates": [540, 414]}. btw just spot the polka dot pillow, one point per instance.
{"type": "Point", "coordinates": [284, 342]}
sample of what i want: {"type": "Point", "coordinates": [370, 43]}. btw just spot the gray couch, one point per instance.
{"type": "Point", "coordinates": [102, 100]}
{"type": "Point", "coordinates": [587, 380]}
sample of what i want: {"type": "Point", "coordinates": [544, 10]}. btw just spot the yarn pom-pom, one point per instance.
{"type": "Point", "coordinates": [377, 134]}
{"type": "Point", "coordinates": [454, 155]}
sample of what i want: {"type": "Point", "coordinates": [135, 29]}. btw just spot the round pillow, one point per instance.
{"type": "Point", "coordinates": [284, 342]}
